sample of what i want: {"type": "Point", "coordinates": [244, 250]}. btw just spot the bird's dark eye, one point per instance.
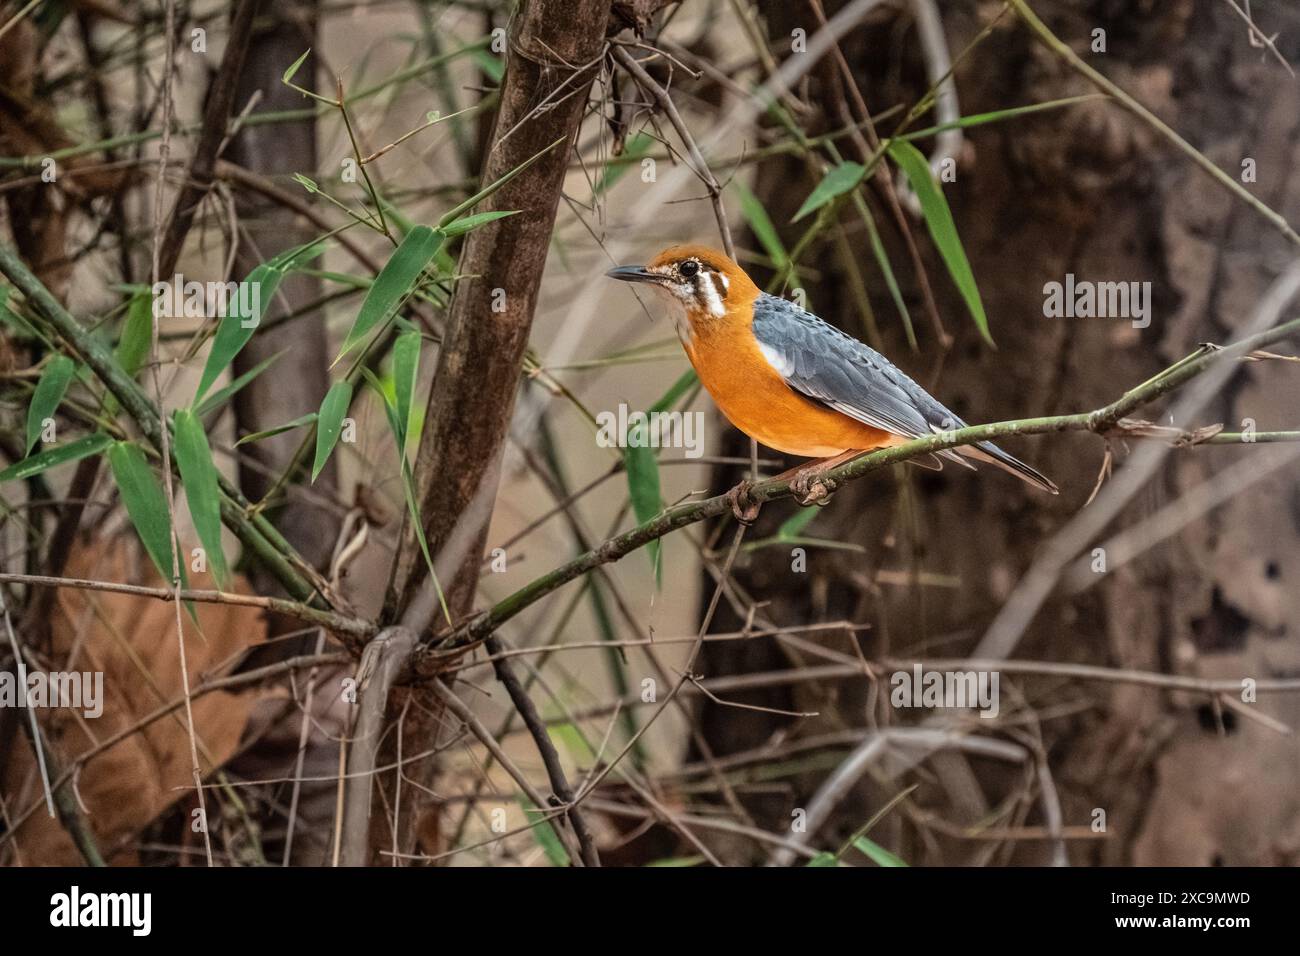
{"type": "Point", "coordinates": [689, 268]}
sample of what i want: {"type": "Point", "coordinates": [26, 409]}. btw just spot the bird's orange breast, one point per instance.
{"type": "Point", "coordinates": [756, 399]}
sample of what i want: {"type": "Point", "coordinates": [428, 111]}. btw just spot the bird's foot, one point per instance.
{"type": "Point", "coordinates": [811, 486]}
{"type": "Point", "coordinates": [743, 504]}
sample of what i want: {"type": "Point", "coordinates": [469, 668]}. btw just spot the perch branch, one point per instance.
{"type": "Point", "coordinates": [1099, 421]}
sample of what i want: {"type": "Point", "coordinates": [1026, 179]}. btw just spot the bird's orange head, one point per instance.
{"type": "Point", "coordinates": [703, 282]}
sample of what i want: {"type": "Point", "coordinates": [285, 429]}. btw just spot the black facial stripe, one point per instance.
{"type": "Point", "coordinates": [716, 279]}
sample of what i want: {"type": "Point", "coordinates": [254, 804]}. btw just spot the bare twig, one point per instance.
{"type": "Point", "coordinates": [354, 628]}
{"type": "Point", "coordinates": [701, 167]}
{"type": "Point", "coordinates": [220, 102]}
{"type": "Point", "coordinates": [1040, 580]}
{"type": "Point", "coordinates": [537, 729]}
{"type": "Point", "coordinates": [461, 710]}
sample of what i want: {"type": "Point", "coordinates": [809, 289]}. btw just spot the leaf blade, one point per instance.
{"type": "Point", "coordinates": [408, 489]}
{"type": "Point", "coordinates": [760, 222]}
{"type": "Point", "coordinates": [793, 526]}
{"type": "Point", "coordinates": [684, 383]}
{"type": "Point", "coordinates": [277, 429]}
{"type": "Point", "coordinates": [58, 455]}
{"type": "Point", "coordinates": [234, 330]}
{"type": "Point", "coordinates": [395, 282]}
{"type": "Point", "coordinates": [137, 334]}
{"type": "Point", "coordinates": [202, 494]}
{"type": "Point", "coordinates": [49, 394]}
{"type": "Point", "coordinates": [939, 221]}
{"type": "Point", "coordinates": [644, 489]}
{"type": "Point", "coordinates": [544, 833]}
{"type": "Point", "coordinates": [145, 503]}
{"type": "Point", "coordinates": [406, 370]}
{"type": "Point", "coordinates": [877, 853]}
{"type": "Point", "coordinates": [329, 424]}
{"type": "Point", "coordinates": [837, 181]}
{"type": "Point", "coordinates": [469, 223]}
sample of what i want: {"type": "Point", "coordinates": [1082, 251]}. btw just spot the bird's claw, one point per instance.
{"type": "Point", "coordinates": [743, 504]}
{"type": "Point", "coordinates": [812, 487]}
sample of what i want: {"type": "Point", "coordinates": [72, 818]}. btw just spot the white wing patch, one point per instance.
{"type": "Point", "coordinates": [776, 359]}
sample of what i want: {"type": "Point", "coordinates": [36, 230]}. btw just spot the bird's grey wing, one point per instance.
{"type": "Point", "coordinates": [825, 365]}
{"type": "Point", "coordinates": [822, 363]}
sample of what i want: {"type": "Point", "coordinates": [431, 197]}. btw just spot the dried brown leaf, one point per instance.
{"type": "Point", "coordinates": [132, 640]}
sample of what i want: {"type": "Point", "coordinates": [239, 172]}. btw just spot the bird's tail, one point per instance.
{"type": "Point", "coordinates": [991, 453]}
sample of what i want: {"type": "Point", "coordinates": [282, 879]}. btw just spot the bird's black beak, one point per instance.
{"type": "Point", "coordinates": [634, 274]}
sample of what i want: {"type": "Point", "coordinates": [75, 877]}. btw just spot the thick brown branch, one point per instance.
{"type": "Point", "coordinates": [552, 61]}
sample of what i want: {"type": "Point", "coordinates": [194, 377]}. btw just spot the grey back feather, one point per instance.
{"type": "Point", "coordinates": [822, 363]}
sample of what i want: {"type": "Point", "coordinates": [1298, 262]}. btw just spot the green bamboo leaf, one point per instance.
{"type": "Point", "coordinates": [387, 387]}
{"type": "Point", "coordinates": [58, 455]}
{"type": "Point", "coordinates": [226, 392]}
{"type": "Point", "coordinates": [234, 330]}
{"type": "Point", "coordinates": [997, 116]}
{"type": "Point", "coordinates": [342, 278]}
{"type": "Point", "coordinates": [877, 853]}
{"type": "Point", "coordinates": [643, 487]}
{"type": "Point", "coordinates": [573, 740]}
{"type": "Point", "coordinates": [394, 283]}
{"type": "Point", "coordinates": [456, 211]}
{"type": "Point", "coordinates": [49, 393]}
{"type": "Point", "coordinates": [823, 859]}
{"type": "Point", "coordinates": [470, 223]}
{"type": "Point", "coordinates": [545, 834]}
{"type": "Point", "coordinates": [793, 526]}
{"type": "Point", "coordinates": [839, 180]}
{"type": "Point", "coordinates": [199, 478]}
{"type": "Point", "coordinates": [330, 423]}
{"type": "Point", "coordinates": [413, 506]}
{"type": "Point", "coordinates": [675, 391]}
{"type": "Point", "coordinates": [137, 334]}
{"type": "Point", "coordinates": [278, 429]}
{"type": "Point", "coordinates": [493, 66]}
{"type": "Point", "coordinates": [643, 467]}
{"type": "Point", "coordinates": [751, 207]}
{"type": "Point", "coordinates": [408, 488]}
{"type": "Point", "coordinates": [887, 270]}
{"type": "Point", "coordinates": [287, 79]}
{"type": "Point", "coordinates": [406, 369]}
{"type": "Point", "coordinates": [294, 66]}
{"type": "Point", "coordinates": [938, 220]}
{"type": "Point", "coordinates": [145, 504]}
